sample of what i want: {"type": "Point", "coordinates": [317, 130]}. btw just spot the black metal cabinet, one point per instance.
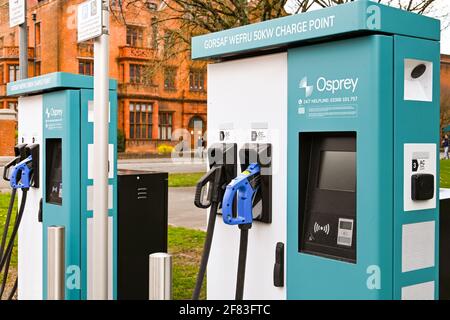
{"type": "Point", "coordinates": [444, 250]}
{"type": "Point", "coordinates": [142, 229]}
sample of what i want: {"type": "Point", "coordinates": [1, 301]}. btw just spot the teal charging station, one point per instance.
{"type": "Point", "coordinates": [62, 107]}
{"type": "Point", "coordinates": [359, 94]}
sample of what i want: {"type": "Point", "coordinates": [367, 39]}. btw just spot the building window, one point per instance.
{"type": "Point", "coordinates": [197, 80]}
{"type": "Point", "coordinates": [13, 105]}
{"type": "Point", "coordinates": [86, 67]}
{"type": "Point", "coordinates": [139, 74]}
{"type": "Point", "coordinates": [14, 72]}
{"type": "Point", "coordinates": [38, 69]}
{"type": "Point", "coordinates": [169, 41]}
{"type": "Point", "coordinates": [165, 126]}
{"type": "Point", "coordinates": [2, 42]}
{"type": "Point", "coordinates": [116, 3]}
{"type": "Point", "coordinates": [134, 36]}
{"type": "Point", "coordinates": [152, 6]}
{"type": "Point", "coordinates": [2, 76]}
{"type": "Point", "coordinates": [141, 124]}
{"type": "Point", "coordinates": [37, 31]}
{"type": "Point", "coordinates": [122, 73]}
{"type": "Point", "coordinates": [170, 74]}
{"type": "Point", "coordinates": [154, 33]}
{"type": "Point", "coordinates": [136, 73]}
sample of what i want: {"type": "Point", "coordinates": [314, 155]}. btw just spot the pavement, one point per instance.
{"type": "Point", "coordinates": [4, 186]}
{"type": "Point", "coordinates": [165, 165]}
{"type": "Point", "coordinates": [182, 211]}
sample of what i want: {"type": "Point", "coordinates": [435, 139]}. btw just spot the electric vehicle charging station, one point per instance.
{"type": "Point", "coordinates": [347, 101]}
{"type": "Point", "coordinates": [55, 245]}
{"type": "Point", "coordinates": [56, 112]}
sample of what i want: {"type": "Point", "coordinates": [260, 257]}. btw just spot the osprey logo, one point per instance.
{"type": "Point", "coordinates": [304, 85]}
{"type": "Point", "coordinates": [332, 86]}
{"type": "Point", "coordinates": [53, 113]}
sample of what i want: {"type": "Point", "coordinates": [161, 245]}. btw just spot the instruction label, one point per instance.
{"type": "Point", "coordinates": [53, 118]}
{"type": "Point", "coordinates": [328, 98]}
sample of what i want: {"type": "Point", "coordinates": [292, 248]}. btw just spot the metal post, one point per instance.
{"type": "Point", "coordinates": [101, 113]}
{"type": "Point", "coordinates": [23, 47]}
{"type": "Point", "coordinates": [160, 276]}
{"type": "Point", "coordinates": [56, 263]}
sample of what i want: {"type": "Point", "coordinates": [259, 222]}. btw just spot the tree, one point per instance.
{"type": "Point", "coordinates": [188, 18]}
{"type": "Point", "coordinates": [417, 6]}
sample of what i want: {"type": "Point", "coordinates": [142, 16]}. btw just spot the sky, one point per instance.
{"type": "Point", "coordinates": [441, 10]}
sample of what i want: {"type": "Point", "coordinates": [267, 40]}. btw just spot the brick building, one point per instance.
{"type": "Point", "coordinates": [445, 92]}
{"type": "Point", "coordinates": [155, 107]}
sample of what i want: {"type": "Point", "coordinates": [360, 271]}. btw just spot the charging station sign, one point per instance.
{"type": "Point", "coordinates": [16, 12]}
{"type": "Point", "coordinates": [90, 20]}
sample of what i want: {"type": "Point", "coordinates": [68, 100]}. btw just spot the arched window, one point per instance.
{"type": "Point", "coordinates": [196, 122]}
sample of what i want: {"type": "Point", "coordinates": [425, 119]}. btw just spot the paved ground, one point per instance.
{"type": "Point", "coordinates": [165, 165]}
{"type": "Point", "coordinates": [182, 212]}
{"type": "Point", "coordinates": [3, 184]}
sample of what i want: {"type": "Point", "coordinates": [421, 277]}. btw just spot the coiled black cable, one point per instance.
{"type": "Point", "coordinates": [243, 245]}
{"type": "Point", "coordinates": [206, 250]}
{"type": "Point", "coordinates": [7, 253]}
{"type": "Point", "coordinates": [7, 222]}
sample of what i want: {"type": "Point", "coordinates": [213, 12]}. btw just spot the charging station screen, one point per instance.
{"type": "Point", "coordinates": [337, 171]}
{"type": "Point", "coordinates": [327, 195]}
{"type": "Point", "coordinates": [54, 171]}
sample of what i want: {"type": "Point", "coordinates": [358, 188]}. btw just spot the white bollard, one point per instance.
{"type": "Point", "coordinates": [56, 265]}
{"type": "Point", "coordinates": [160, 276]}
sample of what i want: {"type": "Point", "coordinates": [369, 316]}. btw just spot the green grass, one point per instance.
{"type": "Point", "coordinates": [185, 245]}
{"type": "Point", "coordinates": [4, 204]}
{"type": "Point", "coordinates": [445, 173]}
{"type": "Point", "coordinates": [184, 179]}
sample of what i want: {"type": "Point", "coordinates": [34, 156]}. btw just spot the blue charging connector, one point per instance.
{"type": "Point", "coordinates": [245, 185]}
{"type": "Point", "coordinates": [22, 174]}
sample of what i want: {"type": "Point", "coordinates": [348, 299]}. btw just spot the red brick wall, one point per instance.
{"type": "Point", "coordinates": [7, 133]}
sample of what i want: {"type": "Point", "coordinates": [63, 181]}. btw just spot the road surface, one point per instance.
{"type": "Point", "coordinates": [182, 211]}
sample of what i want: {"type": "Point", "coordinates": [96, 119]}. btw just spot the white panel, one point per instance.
{"type": "Point", "coordinates": [91, 161]}
{"type": "Point", "coordinates": [444, 194]}
{"type": "Point", "coordinates": [89, 257]}
{"type": "Point", "coordinates": [244, 94]}
{"type": "Point", "coordinates": [425, 154]}
{"type": "Point", "coordinates": [91, 112]}
{"type": "Point", "coordinates": [90, 197]}
{"type": "Point", "coordinates": [418, 245]}
{"type": "Point", "coordinates": [421, 88]}
{"type": "Point", "coordinates": [111, 161]}
{"type": "Point", "coordinates": [422, 291]}
{"type": "Point", "coordinates": [30, 232]}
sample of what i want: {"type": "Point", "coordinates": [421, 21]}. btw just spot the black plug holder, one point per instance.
{"type": "Point", "coordinates": [260, 153]}
{"type": "Point", "coordinates": [222, 158]}
{"type": "Point", "coordinates": [33, 150]}
{"type": "Point", "coordinates": [224, 154]}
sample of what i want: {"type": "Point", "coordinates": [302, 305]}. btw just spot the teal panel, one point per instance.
{"type": "Point", "coordinates": [415, 122]}
{"type": "Point", "coordinates": [367, 109]}
{"type": "Point", "coordinates": [62, 120]}
{"type": "Point", "coordinates": [52, 82]}
{"type": "Point", "coordinates": [355, 17]}
{"type": "Point", "coordinates": [87, 138]}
